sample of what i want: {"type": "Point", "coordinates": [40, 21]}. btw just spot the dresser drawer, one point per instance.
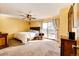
{"type": "Point", "coordinates": [3, 40]}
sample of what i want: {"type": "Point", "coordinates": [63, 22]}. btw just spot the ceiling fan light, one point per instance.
{"type": "Point", "coordinates": [27, 15]}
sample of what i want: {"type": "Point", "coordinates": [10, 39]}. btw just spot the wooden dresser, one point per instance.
{"type": "Point", "coordinates": [3, 40]}
{"type": "Point", "coordinates": [68, 47]}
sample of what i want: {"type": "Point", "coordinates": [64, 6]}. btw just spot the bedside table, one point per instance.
{"type": "Point", "coordinates": [3, 40]}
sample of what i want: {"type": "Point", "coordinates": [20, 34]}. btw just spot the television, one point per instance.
{"type": "Point", "coordinates": [72, 35]}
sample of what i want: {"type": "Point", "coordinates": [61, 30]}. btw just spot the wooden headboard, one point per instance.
{"type": "Point", "coordinates": [35, 28]}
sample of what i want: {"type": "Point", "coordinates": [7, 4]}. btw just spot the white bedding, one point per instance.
{"type": "Point", "coordinates": [23, 36]}
{"type": "Point", "coordinates": [33, 48]}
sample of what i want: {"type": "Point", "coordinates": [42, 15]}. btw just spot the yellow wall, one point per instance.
{"type": "Point", "coordinates": [63, 30]}
{"type": "Point", "coordinates": [12, 25]}
{"type": "Point", "coordinates": [76, 20]}
{"type": "Point", "coordinates": [64, 20]}
{"type": "Point", "coordinates": [76, 13]}
{"type": "Point", "coordinates": [35, 24]}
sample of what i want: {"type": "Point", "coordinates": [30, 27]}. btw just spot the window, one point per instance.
{"type": "Point", "coordinates": [49, 30]}
{"type": "Point", "coordinates": [44, 29]}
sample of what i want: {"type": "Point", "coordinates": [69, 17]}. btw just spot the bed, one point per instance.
{"type": "Point", "coordinates": [25, 36]}
{"type": "Point", "coordinates": [33, 48]}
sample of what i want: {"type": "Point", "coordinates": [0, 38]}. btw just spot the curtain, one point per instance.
{"type": "Point", "coordinates": [54, 23]}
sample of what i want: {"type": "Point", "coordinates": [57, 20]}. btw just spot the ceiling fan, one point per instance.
{"type": "Point", "coordinates": [28, 15]}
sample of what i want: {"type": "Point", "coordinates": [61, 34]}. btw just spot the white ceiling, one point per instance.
{"type": "Point", "coordinates": [38, 10]}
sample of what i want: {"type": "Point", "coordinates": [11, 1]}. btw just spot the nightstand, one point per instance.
{"type": "Point", "coordinates": [3, 40]}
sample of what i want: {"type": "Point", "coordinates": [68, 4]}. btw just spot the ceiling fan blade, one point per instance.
{"type": "Point", "coordinates": [33, 18]}
{"type": "Point", "coordinates": [22, 15]}
{"type": "Point", "coordinates": [21, 12]}
{"type": "Point", "coordinates": [26, 15]}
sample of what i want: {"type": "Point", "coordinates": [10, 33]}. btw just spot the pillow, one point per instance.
{"type": "Point", "coordinates": [34, 31]}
